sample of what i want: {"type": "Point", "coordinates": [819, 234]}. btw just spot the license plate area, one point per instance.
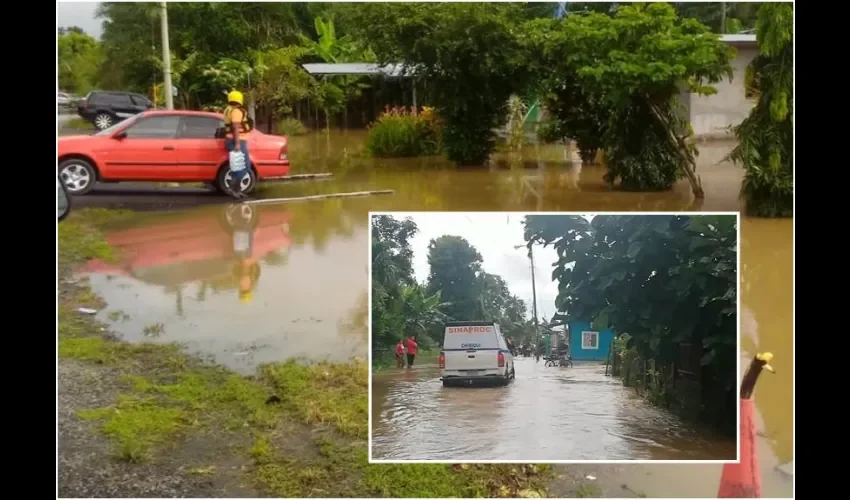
{"type": "Point", "coordinates": [473, 373]}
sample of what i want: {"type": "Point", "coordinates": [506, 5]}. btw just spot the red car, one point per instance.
{"type": "Point", "coordinates": [166, 146]}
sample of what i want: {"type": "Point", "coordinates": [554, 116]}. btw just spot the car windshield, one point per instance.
{"type": "Point", "coordinates": [111, 130]}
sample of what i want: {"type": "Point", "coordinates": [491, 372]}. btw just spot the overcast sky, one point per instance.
{"type": "Point", "coordinates": [78, 14]}
{"type": "Point", "coordinates": [494, 235]}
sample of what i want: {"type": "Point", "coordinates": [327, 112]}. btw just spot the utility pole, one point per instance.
{"type": "Point", "coordinates": [533, 293]}
{"type": "Point", "coordinates": [166, 58]}
{"type": "Point", "coordinates": [722, 18]}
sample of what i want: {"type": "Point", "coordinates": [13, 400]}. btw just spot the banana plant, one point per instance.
{"type": "Point", "coordinates": [332, 49]}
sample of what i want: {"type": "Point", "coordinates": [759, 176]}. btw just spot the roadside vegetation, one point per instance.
{"type": "Point", "coordinates": [291, 127]}
{"type": "Point", "coordinates": [766, 137]}
{"type": "Point", "coordinates": [608, 76]}
{"type": "Point", "coordinates": [457, 289]}
{"type": "Point", "coordinates": [400, 133]}
{"type": "Point", "coordinates": [300, 430]}
{"type": "Point", "coordinates": [667, 285]}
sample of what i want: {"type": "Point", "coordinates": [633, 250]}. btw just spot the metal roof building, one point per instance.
{"type": "Point", "coordinates": [364, 69]}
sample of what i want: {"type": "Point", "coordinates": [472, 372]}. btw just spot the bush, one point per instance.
{"type": "Point", "coordinates": [290, 127]}
{"type": "Point", "coordinates": [401, 133]}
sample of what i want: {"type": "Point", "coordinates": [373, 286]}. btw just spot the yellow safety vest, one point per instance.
{"type": "Point", "coordinates": [244, 126]}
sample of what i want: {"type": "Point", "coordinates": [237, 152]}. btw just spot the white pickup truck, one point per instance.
{"type": "Point", "coordinates": [475, 352]}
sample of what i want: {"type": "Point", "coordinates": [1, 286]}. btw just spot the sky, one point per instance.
{"type": "Point", "coordinates": [78, 14]}
{"type": "Point", "coordinates": [494, 235]}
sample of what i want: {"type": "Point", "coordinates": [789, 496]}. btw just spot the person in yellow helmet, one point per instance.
{"type": "Point", "coordinates": [237, 124]}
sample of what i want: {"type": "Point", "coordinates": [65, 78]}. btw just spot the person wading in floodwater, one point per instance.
{"type": "Point", "coordinates": [399, 354]}
{"type": "Point", "coordinates": [237, 124]}
{"type": "Point", "coordinates": [412, 348]}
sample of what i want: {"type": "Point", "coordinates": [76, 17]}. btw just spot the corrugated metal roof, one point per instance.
{"type": "Point", "coordinates": [739, 38]}
{"type": "Point", "coordinates": [391, 70]}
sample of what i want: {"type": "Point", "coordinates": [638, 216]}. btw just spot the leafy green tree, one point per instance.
{"type": "Point", "coordinates": [626, 71]}
{"type": "Point", "coordinates": [79, 60]}
{"type": "Point", "coordinates": [766, 137]}
{"type": "Point", "coordinates": [666, 280]}
{"type": "Point", "coordinates": [738, 16]}
{"type": "Point", "coordinates": [392, 272]}
{"type": "Point", "coordinates": [470, 293]}
{"type": "Point", "coordinates": [454, 270]}
{"type": "Point", "coordinates": [468, 54]}
{"type": "Point", "coordinates": [577, 115]}
{"type": "Point", "coordinates": [202, 34]}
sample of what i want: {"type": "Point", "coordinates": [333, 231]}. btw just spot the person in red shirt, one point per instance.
{"type": "Point", "coordinates": [412, 348]}
{"type": "Point", "coordinates": [399, 354]}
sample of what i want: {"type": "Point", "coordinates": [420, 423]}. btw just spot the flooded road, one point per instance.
{"type": "Point", "coordinates": [546, 414]}
{"type": "Point", "coordinates": [321, 274]}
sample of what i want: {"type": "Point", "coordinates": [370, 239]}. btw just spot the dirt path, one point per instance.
{"type": "Point", "coordinates": [204, 466]}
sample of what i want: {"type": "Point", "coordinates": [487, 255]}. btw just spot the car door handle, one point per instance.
{"type": "Point", "coordinates": [168, 148]}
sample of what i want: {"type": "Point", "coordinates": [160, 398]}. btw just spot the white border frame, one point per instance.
{"type": "Point", "coordinates": [404, 213]}
{"type": "Point", "coordinates": [583, 348]}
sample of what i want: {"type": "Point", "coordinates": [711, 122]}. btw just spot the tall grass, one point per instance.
{"type": "Point", "coordinates": [402, 132]}
{"type": "Point", "coordinates": [290, 127]}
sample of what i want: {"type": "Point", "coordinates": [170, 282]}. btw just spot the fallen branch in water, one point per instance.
{"type": "Point", "coordinates": [320, 197]}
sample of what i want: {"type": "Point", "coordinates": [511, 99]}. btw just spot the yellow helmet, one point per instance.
{"type": "Point", "coordinates": [235, 96]}
{"type": "Point", "coordinates": [246, 296]}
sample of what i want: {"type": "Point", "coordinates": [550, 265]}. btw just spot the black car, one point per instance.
{"type": "Point", "coordinates": [106, 108]}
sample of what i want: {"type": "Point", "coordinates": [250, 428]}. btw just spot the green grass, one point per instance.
{"type": "Point", "coordinates": [307, 423]}
{"type": "Point", "coordinates": [137, 425]}
{"type": "Point", "coordinates": [77, 124]}
{"type": "Point", "coordinates": [324, 393]}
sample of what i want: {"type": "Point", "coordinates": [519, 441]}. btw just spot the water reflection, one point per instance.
{"type": "Point", "coordinates": [246, 284]}
{"type": "Point", "coordinates": [542, 180]}
{"type": "Point", "coordinates": [767, 304]}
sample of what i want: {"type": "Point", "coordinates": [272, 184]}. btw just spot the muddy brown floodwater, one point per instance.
{"type": "Point", "coordinates": [178, 280]}
{"type": "Point", "coordinates": [545, 414]}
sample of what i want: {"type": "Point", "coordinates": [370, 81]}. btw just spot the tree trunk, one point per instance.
{"type": "Point", "coordinates": [270, 120]}
{"type": "Point", "coordinates": [687, 161]}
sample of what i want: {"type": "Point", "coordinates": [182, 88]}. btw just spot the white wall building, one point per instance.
{"type": "Point", "coordinates": [712, 117]}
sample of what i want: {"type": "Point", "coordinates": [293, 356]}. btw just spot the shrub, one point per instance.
{"type": "Point", "coordinates": [290, 127]}
{"type": "Point", "coordinates": [400, 132]}
{"type": "Point", "coordinates": [77, 124]}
